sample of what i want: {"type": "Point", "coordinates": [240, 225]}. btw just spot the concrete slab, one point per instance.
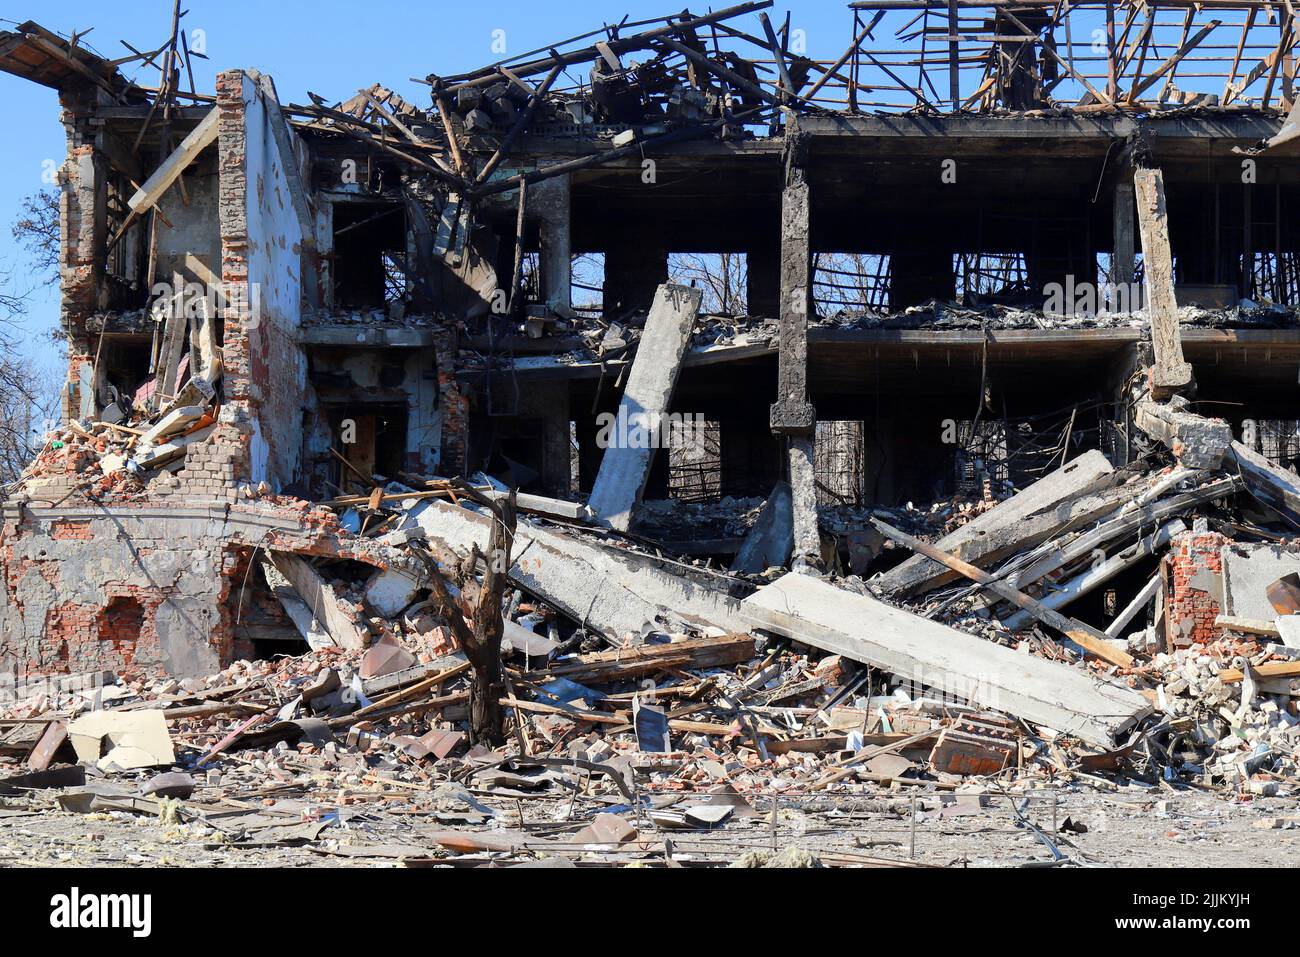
{"type": "Point", "coordinates": [390, 591]}
{"type": "Point", "coordinates": [319, 596]}
{"type": "Point", "coordinates": [978, 541]}
{"type": "Point", "coordinates": [928, 653]}
{"type": "Point", "coordinates": [628, 455]}
{"type": "Point", "coordinates": [610, 590]}
{"type": "Point", "coordinates": [1248, 570]}
{"type": "Point", "coordinates": [771, 540]}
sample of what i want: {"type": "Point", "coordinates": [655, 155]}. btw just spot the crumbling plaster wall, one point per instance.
{"type": "Point", "coordinates": [65, 569]}
{"type": "Point", "coordinates": [278, 366]}
{"type": "Point", "coordinates": [192, 246]}
{"type": "Point", "coordinates": [265, 369]}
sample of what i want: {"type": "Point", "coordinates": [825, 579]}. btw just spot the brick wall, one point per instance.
{"type": "Point", "coordinates": [454, 404]}
{"type": "Point", "coordinates": [149, 589]}
{"type": "Point", "coordinates": [1195, 565]}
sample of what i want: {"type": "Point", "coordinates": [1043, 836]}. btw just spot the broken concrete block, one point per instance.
{"type": "Point", "coordinates": [122, 739]}
{"type": "Point", "coordinates": [390, 591]}
{"type": "Point", "coordinates": [605, 588]}
{"type": "Point", "coordinates": [1196, 442]}
{"type": "Point", "coordinates": [1288, 629]}
{"type": "Point", "coordinates": [525, 640]}
{"type": "Point", "coordinates": [771, 540]}
{"type": "Point", "coordinates": [1249, 570]}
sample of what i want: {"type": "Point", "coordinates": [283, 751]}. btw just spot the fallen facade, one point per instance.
{"type": "Point", "coordinates": [1058, 303]}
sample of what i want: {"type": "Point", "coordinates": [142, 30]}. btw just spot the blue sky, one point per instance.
{"type": "Point", "coordinates": [327, 46]}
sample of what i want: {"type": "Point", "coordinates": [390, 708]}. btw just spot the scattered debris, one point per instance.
{"type": "Point", "coordinates": [365, 536]}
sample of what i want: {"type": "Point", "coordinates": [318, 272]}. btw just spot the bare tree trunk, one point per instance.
{"type": "Point", "coordinates": [480, 635]}
{"type": "Point", "coordinates": [486, 720]}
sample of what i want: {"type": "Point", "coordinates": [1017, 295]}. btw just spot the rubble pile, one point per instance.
{"type": "Point", "coordinates": [344, 544]}
{"type": "Point", "coordinates": [679, 728]}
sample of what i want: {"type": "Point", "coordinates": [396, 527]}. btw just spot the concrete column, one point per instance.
{"type": "Point", "coordinates": [792, 415]}
{"type": "Point", "coordinates": [1172, 372]}
{"type": "Point", "coordinates": [1125, 225]}
{"type": "Point", "coordinates": [807, 553]}
{"type": "Point", "coordinates": [551, 202]}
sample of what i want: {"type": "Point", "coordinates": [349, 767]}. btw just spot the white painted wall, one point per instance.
{"type": "Point", "coordinates": [275, 237]}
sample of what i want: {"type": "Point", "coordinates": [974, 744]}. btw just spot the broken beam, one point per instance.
{"type": "Point", "coordinates": [1090, 639]}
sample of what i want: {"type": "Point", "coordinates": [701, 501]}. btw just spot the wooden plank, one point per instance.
{"type": "Point", "coordinates": [174, 339]}
{"type": "Point", "coordinates": [1090, 639]}
{"type": "Point", "coordinates": [201, 137]}
{"type": "Point", "coordinates": [1271, 669]}
{"type": "Point", "coordinates": [624, 663]}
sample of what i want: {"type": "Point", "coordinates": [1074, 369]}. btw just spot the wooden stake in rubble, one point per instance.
{"type": "Point", "coordinates": [1087, 637]}
{"type": "Point", "coordinates": [1172, 372]}
{"type": "Point", "coordinates": [479, 634]}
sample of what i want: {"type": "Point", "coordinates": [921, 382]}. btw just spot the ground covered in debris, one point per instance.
{"type": "Point", "coordinates": [1129, 826]}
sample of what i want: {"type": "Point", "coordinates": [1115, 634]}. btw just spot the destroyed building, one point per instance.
{"type": "Point", "coordinates": [984, 263]}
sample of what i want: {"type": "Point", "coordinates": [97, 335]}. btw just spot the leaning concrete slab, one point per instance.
{"type": "Point", "coordinates": [321, 599]}
{"type": "Point", "coordinates": [611, 591]}
{"type": "Point", "coordinates": [979, 541]}
{"type": "Point", "coordinates": [811, 611]}
{"type": "Point", "coordinates": [311, 630]}
{"type": "Point", "coordinates": [1172, 372]}
{"type": "Point", "coordinates": [1276, 486]}
{"type": "Point", "coordinates": [771, 540]}
{"type": "Point", "coordinates": [626, 464]}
